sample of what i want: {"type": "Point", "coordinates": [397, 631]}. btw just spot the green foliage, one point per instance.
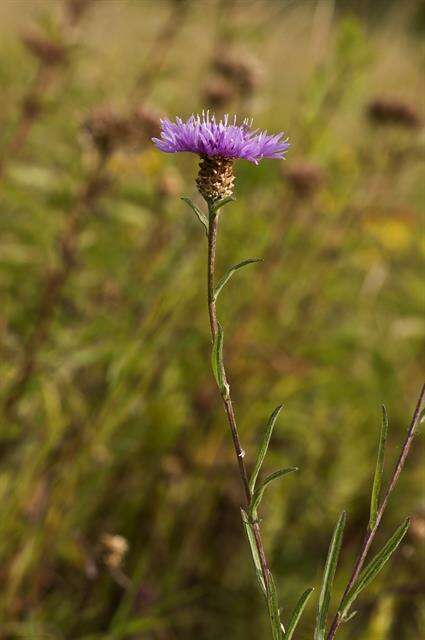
{"type": "Point", "coordinates": [373, 568]}
{"type": "Point", "coordinates": [273, 606]}
{"type": "Point", "coordinates": [217, 360]}
{"type": "Point", "coordinates": [196, 210]}
{"type": "Point", "coordinates": [258, 494]}
{"type": "Point", "coordinates": [377, 480]}
{"type": "Point", "coordinates": [328, 578]}
{"type": "Point", "coordinates": [264, 446]}
{"type": "Point", "coordinates": [297, 613]}
{"type": "Point", "coordinates": [225, 279]}
{"type": "Point", "coordinates": [247, 521]}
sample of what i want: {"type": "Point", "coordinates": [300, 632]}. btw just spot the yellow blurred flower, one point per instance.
{"type": "Point", "coordinates": [394, 235]}
{"type": "Point", "coordinates": [150, 162]}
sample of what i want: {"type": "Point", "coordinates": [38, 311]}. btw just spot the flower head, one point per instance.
{"type": "Point", "coordinates": [226, 139]}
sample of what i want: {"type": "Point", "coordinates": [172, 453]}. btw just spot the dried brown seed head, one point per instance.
{"type": "Point", "coordinates": [384, 111]}
{"type": "Point", "coordinates": [49, 52]}
{"type": "Point", "coordinates": [218, 92]}
{"type": "Point", "coordinates": [77, 8]}
{"type": "Point", "coordinates": [146, 123]}
{"type": "Point", "coordinates": [305, 178]}
{"type": "Point", "coordinates": [240, 68]}
{"type": "Point", "coordinates": [108, 129]}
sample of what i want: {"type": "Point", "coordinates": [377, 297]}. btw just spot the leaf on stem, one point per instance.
{"type": "Point", "coordinates": [225, 279]}
{"type": "Point", "coordinates": [373, 568]}
{"type": "Point", "coordinates": [264, 446]}
{"type": "Point", "coordinates": [258, 495]}
{"type": "Point", "coordinates": [297, 613]}
{"type": "Point", "coordinates": [379, 470]}
{"type": "Point", "coordinates": [254, 551]}
{"type": "Point", "coordinates": [201, 216]}
{"type": "Point", "coordinates": [328, 578]}
{"type": "Point", "coordinates": [273, 606]}
{"type": "Point", "coordinates": [217, 360]}
{"type": "Point", "coordinates": [215, 206]}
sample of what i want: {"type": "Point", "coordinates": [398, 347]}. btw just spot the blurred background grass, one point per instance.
{"type": "Point", "coordinates": [118, 489]}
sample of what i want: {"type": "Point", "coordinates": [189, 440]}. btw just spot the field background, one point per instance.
{"type": "Point", "coordinates": [119, 514]}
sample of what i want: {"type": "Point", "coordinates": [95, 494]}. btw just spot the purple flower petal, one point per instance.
{"type": "Point", "coordinates": [205, 136]}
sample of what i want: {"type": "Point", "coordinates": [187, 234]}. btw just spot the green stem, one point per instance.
{"type": "Point", "coordinates": [213, 216]}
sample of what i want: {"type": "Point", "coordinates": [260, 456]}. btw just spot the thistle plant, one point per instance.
{"type": "Point", "coordinates": [219, 144]}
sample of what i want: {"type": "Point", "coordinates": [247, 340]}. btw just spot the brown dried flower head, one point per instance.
{"type": "Point", "coordinates": [218, 92]}
{"type": "Point", "coordinates": [305, 178]}
{"type": "Point", "coordinates": [77, 8]}
{"type": "Point", "coordinates": [384, 111]}
{"type": "Point", "coordinates": [49, 52]}
{"type": "Point", "coordinates": [108, 129]}
{"type": "Point", "coordinates": [146, 123]}
{"type": "Point", "coordinates": [31, 107]}
{"type": "Point", "coordinates": [239, 68]}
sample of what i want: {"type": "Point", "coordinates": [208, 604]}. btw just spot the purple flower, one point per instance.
{"type": "Point", "coordinates": [207, 137]}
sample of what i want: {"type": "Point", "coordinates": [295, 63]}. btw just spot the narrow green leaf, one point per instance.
{"type": "Point", "coordinates": [297, 613]}
{"type": "Point", "coordinates": [258, 495]}
{"type": "Point", "coordinates": [328, 578]}
{"type": "Point", "coordinates": [254, 551]}
{"type": "Point", "coordinates": [201, 216]}
{"type": "Point", "coordinates": [217, 359]}
{"type": "Point", "coordinates": [230, 272]}
{"type": "Point", "coordinates": [215, 206]}
{"type": "Point", "coordinates": [264, 446]}
{"type": "Point", "coordinates": [273, 605]}
{"type": "Point", "coordinates": [373, 568]}
{"type": "Point", "coordinates": [377, 480]}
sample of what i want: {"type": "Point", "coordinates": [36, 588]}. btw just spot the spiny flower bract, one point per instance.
{"type": "Point", "coordinates": [207, 137]}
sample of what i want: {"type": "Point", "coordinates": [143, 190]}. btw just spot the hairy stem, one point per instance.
{"type": "Point", "coordinates": [370, 533]}
{"type": "Point", "coordinates": [225, 394]}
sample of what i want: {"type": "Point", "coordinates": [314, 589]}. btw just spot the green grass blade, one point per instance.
{"type": "Point", "coordinates": [225, 279]}
{"type": "Point", "coordinates": [297, 613]}
{"type": "Point", "coordinates": [254, 550]}
{"type": "Point", "coordinates": [328, 578]}
{"type": "Point", "coordinates": [373, 568]}
{"type": "Point", "coordinates": [273, 605]}
{"type": "Point", "coordinates": [264, 446]}
{"type": "Point", "coordinates": [258, 495]}
{"type": "Point", "coordinates": [201, 216]}
{"type": "Point", "coordinates": [377, 480]}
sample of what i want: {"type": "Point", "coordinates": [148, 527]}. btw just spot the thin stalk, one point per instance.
{"type": "Point", "coordinates": [225, 394]}
{"type": "Point", "coordinates": [370, 533]}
